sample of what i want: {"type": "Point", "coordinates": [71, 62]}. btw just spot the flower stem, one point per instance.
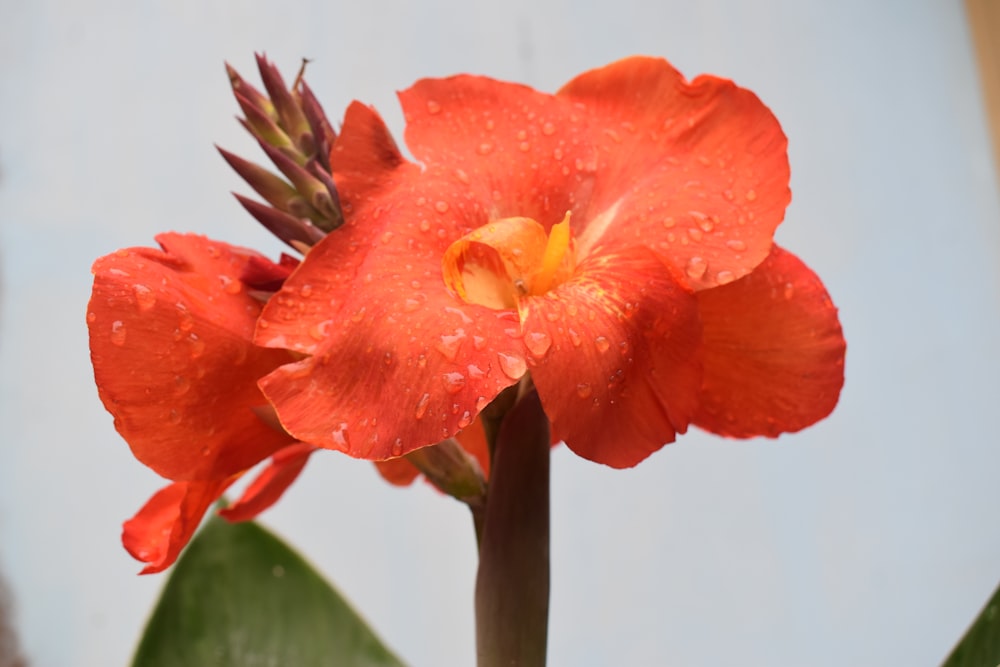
{"type": "Point", "coordinates": [512, 586]}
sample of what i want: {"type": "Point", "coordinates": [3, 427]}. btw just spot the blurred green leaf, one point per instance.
{"type": "Point", "coordinates": [239, 597]}
{"type": "Point", "coordinates": [980, 647]}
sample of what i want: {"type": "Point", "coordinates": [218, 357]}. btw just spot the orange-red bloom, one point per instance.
{"type": "Point", "coordinates": [614, 239]}
{"type": "Point", "coordinates": [170, 340]}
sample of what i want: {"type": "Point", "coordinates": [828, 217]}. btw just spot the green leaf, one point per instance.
{"type": "Point", "coordinates": [240, 597]}
{"type": "Point", "coordinates": [981, 645]}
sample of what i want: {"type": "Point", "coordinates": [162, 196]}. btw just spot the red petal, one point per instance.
{"type": "Point", "coordinates": [613, 355]}
{"type": "Point", "coordinates": [163, 527]}
{"type": "Point", "coordinates": [270, 484]}
{"type": "Point", "coordinates": [170, 343]}
{"type": "Point", "coordinates": [522, 152]}
{"type": "Point", "coordinates": [398, 472]}
{"type": "Point", "coordinates": [698, 171]}
{"type": "Point", "coordinates": [370, 305]}
{"type": "Point", "coordinates": [773, 351]}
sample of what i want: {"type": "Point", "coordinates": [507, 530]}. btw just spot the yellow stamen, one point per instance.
{"type": "Point", "coordinates": [555, 250]}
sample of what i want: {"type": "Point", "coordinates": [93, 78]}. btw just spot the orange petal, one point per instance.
{"type": "Point", "coordinates": [163, 527]}
{"type": "Point", "coordinates": [523, 152]}
{"type": "Point", "coordinates": [773, 351]}
{"type": "Point", "coordinates": [170, 341]}
{"type": "Point", "coordinates": [697, 171]}
{"type": "Point", "coordinates": [613, 355]}
{"type": "Point", "coordinates": [398, 472]}
{"type": "Point", "coordinates": [270, 484]}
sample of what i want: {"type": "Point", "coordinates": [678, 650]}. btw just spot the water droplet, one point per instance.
{"type": "Point", "coordinates": [441, 206]}
{"type": "Point", "coordinates": [512, 365]}
{"type": "Point", "coordinates": [478, 342]}
{"type": "Point", "coordinates": [91, 317]}
{"type": "Point", "coordinates": [433, 107]}
{"type": "Point", "coordinates": [695, 234]}
{"type": "Point", "coordinates": [319, 330]}
{"type": "Point", "coordinates": [174, 417]}
{"type": "Point", "coordinates": [465, 419]}
{"type": "Point", "coordinates": [524, 146]}
{"type": "Point", "coordinates": [707, 225]}
{"type": "Point", "coordinates": [481, 403]}
{"type": "Point", "coordinates": [144, 297]}
{"type": "Point", "coordinates": [696, 267]}
{"type": "Point", "coordinates": [728, 194]}
{"type": "Point", "coordinates": [181, 385]}
{"type": "Point", "coordinates": [197, 345]}
{"type": "Point", "coordinates": [669, 222]}
{"type": "Point", "coordinates": [421, 409]}
{"type": "Point", "coordinates": [736, 245]}
{"type": "Point", "coordinates": [118, 333]}
{"type": "Point", "coordinates": [751, 195]}
{"type": "Point", "coordinates": [583, 390]}
{"type": "Point", "coordinates": [789, 291]}
{"type": "Point", "coordinates": [453, 382]}
{"type": "Point", "coordinates": [449, 345]}
{"type": "Point", "coordinates": [602, 344]}
{"type": "Point", "coordinates": [359, 315]}
{"type": "Point", "coordinates": [339, 435]}
{"type": "Point", "coordinates": [397, 447]}
{"type": "Point", "coordinates": [475, 372]}
{"type": "Point", "coordinates": [538, 343]}
{"type": "Point", "coordinates": [306, 291]}
{"type": "Point", "coordinates": [485, 148]}
{"type": "Point", "coordinates": [725, 277]}
{"type": "Point", "coordinates": [574, 337]}
{"type": "Point", "coordinates": [425, 225]}
{"type": "Point", "coordinates": [548, 129]}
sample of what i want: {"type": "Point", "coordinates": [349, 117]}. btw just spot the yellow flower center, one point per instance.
{"type": "Point", "coordinates": [499, 263]}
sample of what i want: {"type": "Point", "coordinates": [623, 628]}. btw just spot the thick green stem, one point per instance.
{"type": "Point", "coordinates": [512, 587]}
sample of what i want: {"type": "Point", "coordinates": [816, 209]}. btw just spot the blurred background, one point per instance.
{"type": "Point", "coordinates": [870, 539]}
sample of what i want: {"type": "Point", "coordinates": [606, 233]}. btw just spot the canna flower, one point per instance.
{"type": "Point", "coordinates": [612, 242]}
{"type": "Point", "coordinates": [171, 345]}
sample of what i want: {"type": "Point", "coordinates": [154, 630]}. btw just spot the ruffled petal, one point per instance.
{"type": "Point", "coordinates": [698, 171]}
{"type": "Point", "coordinates": [370, 307]}
{"type": "Point", "coordinates": [773, 351]}
{"type": "Point", "coordinates": [270, 484]}
{"type": "Point", "coordinates": [170, 341]}
{"type": "Point", "coordinates": [163, 527]}
{"type": "Point", "coordinates": [522, 151]}
{"type": "Point", "coordinates": [613, 354]}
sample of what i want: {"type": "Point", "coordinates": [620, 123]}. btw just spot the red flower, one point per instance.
{"type": "Point", "coordinates": [614, 239]}
{"type": "Point", "coordinates": [170, 340]}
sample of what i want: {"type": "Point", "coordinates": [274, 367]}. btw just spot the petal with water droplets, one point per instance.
{"type": "Point", "coordinates": [696, 170]}
{"type": "Point", "coordinates": [174, 362]}
{"type": "Point", "coordinates": [283, 468]}
{"type": "Point", "coordinates": [773, 351]}
{"type": "Point", "coordinates": [631, 384]}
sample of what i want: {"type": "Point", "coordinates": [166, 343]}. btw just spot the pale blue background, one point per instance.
{"type": "Point", "coordinates": [871, 539]}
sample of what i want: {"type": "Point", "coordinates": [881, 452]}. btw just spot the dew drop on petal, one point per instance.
{"type": "Point", "coordinates": [548, 129]}
{"type": "Point", "coordinates": [441, 206]}
{"type": "Point", "coordinates": [433, 107]}
{"type": "Point", "coordinates": [695, 234]}
{"type": "Point", "coordinates": [725, 277]}
{"type": "Point", "coordinates": [602, 344]}
{"type": "Point", "coordinates": [174, 418]}
{"type": "Point", "coordinates": [421, 409]}
{"type": "Point", "coordinates": [512, 365]}
{"type": "Point", "coordinates": [197, 345]}
{"type": "Point", "coordinates": [751, 195]}
{"type": "Point", "coordinates": [478, 342]}
{"type": "Point", "coordinates": [449, 345]}
{"type": "Point", "coordinates": [181, 385]}
{"type": "Point", "coordinates": [319, 330]}
{"type": "Point", "coordinates": [118, 333]}
{"type": "Point", "coordinates": [736, 245]}
{"type": "Point", "coordinates": [397, 447]}
{"type": "Point", "coordinates": [465, 419]}
{"type": "Point", "coordinates": [789, 291]}
{"type": "Point", "coordinates": [696, 267]}
{"type": "Point", "coordinates": [485, 148]}
{"type": "Point", "coordinates": [453, 382]}
{"type": "Point", "coordinates": [538, 343]}
{"type": "Point", "coordinates": [583, 390]}
{"type": "Point", "coordinates": [91, 317]}
{"type": "Point", "coordinates": [339, 436]}
{"type": "Point", "coordinates": [481, 403]}
{"type": "Point", "coordinates": [144, 297]}
{"type": "Point", "coordinates": [574, 337]}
